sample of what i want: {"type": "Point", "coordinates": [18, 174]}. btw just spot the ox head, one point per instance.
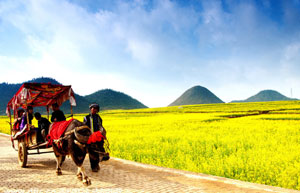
{"type": "Point", "coordinates": [82, 135]}
{"type": "Point", "coordinates": [92, 141]}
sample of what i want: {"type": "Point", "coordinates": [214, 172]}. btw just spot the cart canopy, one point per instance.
{"type": "Point", "coordinates": [40, 94]}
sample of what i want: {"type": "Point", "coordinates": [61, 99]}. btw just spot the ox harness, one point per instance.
{"type": "Point", "coordinates": [57, 135]}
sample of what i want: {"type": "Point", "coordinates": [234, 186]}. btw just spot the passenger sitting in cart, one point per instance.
{"type": "Point", "coordinates": [17, 121]}
{"type": "Point", "coordinates": [57, 114]}
{"type": "Point", "coordinates": [43, 127]}
{"type": "Point", "coordinates": [24, 124]}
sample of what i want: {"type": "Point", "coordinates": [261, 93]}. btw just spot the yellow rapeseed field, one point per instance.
{"type": "Point", "coordinates": [255, 142]}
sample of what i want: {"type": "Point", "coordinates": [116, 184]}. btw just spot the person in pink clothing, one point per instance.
{"type": "Point", "coordinates": [24, 118]}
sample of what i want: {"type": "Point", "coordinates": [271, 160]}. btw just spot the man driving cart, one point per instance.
{"type": "Point", "coordinates": [94, 122]}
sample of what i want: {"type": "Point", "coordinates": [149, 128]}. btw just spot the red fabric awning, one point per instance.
{"type": "Point", "coordinates": [40, 94]}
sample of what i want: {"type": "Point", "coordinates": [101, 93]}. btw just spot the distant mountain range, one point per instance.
{"type": "Point", "coordinates": [110, 99]}
{"type": "Point", "coordinates": [266, 95]}
{"type": "Point", "coordinates": [196, 95]}
{"type": "Point", "coordinates": [107, 98]}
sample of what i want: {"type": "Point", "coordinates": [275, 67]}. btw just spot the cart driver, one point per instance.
{"type": "Point", "coordinates": [57, 114]}
{"type": "Point", "coordinates": [94, 121]}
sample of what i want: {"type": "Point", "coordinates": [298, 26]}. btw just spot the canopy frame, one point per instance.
{"type": "Point", "coordinates": [40, 94]}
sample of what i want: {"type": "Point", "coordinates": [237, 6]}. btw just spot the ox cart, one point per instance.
{"type": "Point", "coordinates": [35, 95]}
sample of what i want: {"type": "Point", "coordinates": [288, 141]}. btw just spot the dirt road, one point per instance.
{"type": "Point", "coordinates": [116, 175]}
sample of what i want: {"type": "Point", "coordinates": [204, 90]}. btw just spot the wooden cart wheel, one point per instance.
{"type": "Point", "coordinates": [22, 154]}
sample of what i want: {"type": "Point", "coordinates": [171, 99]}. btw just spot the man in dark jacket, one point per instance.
{"type": "Point", "coordinates": [43, 127]}
{"type": "Point", "coordinates": [94, 121]}
{"type": "Point", "coordinates": [57, 114]}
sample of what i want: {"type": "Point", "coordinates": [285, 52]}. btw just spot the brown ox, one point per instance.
{"type": "Point", "coordinates": [74, 143]}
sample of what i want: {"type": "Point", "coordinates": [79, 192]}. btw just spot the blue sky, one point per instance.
{"type": "Point", "coordinates": [154, 50]}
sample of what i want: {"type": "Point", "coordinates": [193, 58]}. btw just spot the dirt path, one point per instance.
{"type": "Point", "coordinates": [116, 175]}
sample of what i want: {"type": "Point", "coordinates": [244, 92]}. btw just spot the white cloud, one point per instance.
{"type": "Point", "coordinates": [290, 62]}
{"type": "Point", "coordinates": [141, 50]}
{"type": "Point", "coordinates": [11, 70]}
{"type": "Point", "coordinates": [292, 51]}
{"type": "Point", "coordinates": [144, 50]}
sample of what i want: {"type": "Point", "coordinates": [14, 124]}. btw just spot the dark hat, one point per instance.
{"type": "Point", "coordinates": [29, 107]}
{"type": "Point", "coordinates": [55, 105]}
{"type": "Point", "coordinates": [37, 115]}
{"type": "Point", "coordinates": [94, 105]}
{"type": "Point", "coordinates": [20, 112]}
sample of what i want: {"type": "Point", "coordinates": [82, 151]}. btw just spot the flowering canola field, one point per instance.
{"type": "Point", "coordinates": [255, 142]}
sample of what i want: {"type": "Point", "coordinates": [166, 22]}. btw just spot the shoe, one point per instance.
{"type": "Point", "coordinates": [96, 169]}
{"type": "Point", "coordinates": [105, 158]}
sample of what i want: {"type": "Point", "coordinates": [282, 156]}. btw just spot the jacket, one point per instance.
{"type": "Point", "coordinates": [93, 121]}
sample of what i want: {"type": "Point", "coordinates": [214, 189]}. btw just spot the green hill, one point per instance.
{"type": "Point", "coordinates": [110, 99]}
{"type": "Point", "coordinates": [196, 95]}
{"type": "Point", "coordinates": [8, 90]}
{"type": "Point", "coordinates": [266, 95]}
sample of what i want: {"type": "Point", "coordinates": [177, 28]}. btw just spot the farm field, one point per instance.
{"type": "Point", "coordinates": [255, 142]}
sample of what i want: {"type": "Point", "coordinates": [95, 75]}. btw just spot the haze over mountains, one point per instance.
{"type": "Point", "coordinates": [110, 99]}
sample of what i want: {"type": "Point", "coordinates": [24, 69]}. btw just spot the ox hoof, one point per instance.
{"type": "Point", "coordinates": [87, 181]}
{"type": "Point", "coordinates": [58, 172]}
{"type": "Point", "coordinates": [79, 176]}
